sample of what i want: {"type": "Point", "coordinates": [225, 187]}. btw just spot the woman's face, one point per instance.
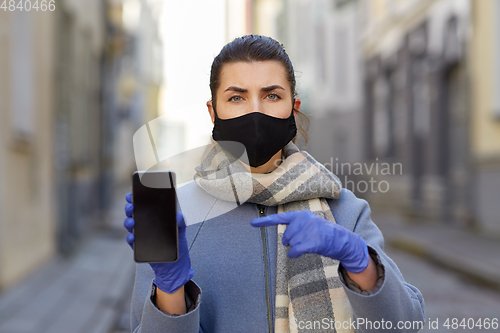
{"type": "Point", "coordinates": [247, 87]}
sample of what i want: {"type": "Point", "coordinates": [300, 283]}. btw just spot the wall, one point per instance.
{"type": "Point", "coordinates": [28, 231]}
{"type": "Point", "coordinates": [485, 126]}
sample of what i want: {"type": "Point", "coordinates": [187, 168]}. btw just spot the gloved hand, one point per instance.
{"type": "Point", "coordinates": [169, 277]}
{"type": "Point", "coordinates": [308, 233]}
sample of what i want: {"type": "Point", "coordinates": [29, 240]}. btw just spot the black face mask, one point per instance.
{"type": "Point", "coordinates": [262, 135]}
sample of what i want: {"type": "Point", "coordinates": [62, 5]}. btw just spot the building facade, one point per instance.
{"type": "Point", "coordinates": [416, 105]}
{"type": "Point", "coordinates": [27, 204]}
{"type": "Point", "coordinates": [430, 104]}
{"type": "Point", "coordinates": [484, 53]}
{"type": "Point", "coordinates": [134, 77]}
{"type": "Point", "coordinates": [401, 99]}
{"type": "Point", "coordinates": [70, 81]}
{"type": "Point", "coordinates": [50, 146]}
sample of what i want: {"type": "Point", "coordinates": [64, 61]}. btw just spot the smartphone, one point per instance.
{"type": "Point", "coordinates": [155, 209]}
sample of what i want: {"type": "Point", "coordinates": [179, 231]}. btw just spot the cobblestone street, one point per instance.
{"type": "Point", "coordinates": [446, 294]}
{"type": "Point", "coordinates": [456, 270]}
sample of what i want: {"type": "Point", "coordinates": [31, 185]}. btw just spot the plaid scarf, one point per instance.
{"type": "Point", "coordinates": [309, 292]}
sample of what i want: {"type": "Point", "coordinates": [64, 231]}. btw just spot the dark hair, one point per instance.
{"type": "Point", "coordinates": [251, 48]}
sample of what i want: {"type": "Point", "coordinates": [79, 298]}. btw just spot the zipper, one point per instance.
{"type": "Point", "coordinates": [262, 213]}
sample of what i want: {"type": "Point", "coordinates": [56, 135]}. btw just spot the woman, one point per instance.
{"type": "Point", "coordinates": [300, 255]}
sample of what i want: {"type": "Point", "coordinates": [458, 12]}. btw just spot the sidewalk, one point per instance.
{"type": "Point", "coordinates": [86, 293]}
{"type": "Point", "coordinates": [473, 256]}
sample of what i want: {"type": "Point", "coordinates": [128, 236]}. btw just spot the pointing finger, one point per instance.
{"type": "Point", "coordinates": [281, 218]}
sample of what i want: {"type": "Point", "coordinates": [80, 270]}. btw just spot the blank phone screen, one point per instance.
{"type": "Point", "coordinates": [155, 208]}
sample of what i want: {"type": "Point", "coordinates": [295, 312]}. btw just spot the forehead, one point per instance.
{"type": "Point", "coordinates": [260, 73]}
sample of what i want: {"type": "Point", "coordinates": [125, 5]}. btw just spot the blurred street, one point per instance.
{"type": "Point", "coordinates": [446, 294]}
{"type": "Point", "coordinates": [399, 99]}
{"type": "Point", "coordinates": [87, 292]}
{"type": "Point", "coordinates": [453, 283]}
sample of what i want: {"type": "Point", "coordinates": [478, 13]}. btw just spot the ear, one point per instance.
{"type": "Point", "coordinates": [296, 106]}
{"type": "Point", "coordinates": [211, 111]}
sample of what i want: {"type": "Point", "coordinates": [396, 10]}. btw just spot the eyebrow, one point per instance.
{"type": "Point", "coordinates": [268, 88]}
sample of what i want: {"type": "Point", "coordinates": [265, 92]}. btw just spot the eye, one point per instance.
{"type": "Point", "coordinates": [273, 96]}
{"type": "Point", "coordinates": [235, 98]}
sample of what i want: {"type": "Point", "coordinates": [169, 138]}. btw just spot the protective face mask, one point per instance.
{"type": "Point", "coordinates": [262, 135]}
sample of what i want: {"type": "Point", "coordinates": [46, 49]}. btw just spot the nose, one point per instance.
{"type": "Point", "coordinates": [255, 105]}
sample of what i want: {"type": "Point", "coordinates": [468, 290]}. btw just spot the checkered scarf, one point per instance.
{"type": "Point", "coordinates": [308, 288]}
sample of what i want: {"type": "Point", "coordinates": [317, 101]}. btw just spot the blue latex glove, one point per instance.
{"type": "Point", "coordinates": [308, 233]}
{"type": "Point", "coordinates": [169, 277]}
